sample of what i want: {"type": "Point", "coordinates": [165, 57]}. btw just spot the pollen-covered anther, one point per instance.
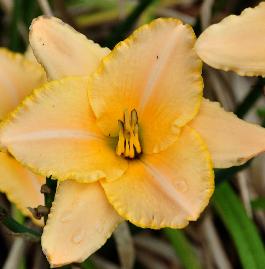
{"type": "Point", "coordinates": [128, 144]}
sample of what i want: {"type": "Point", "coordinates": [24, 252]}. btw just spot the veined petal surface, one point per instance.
{"type": "Point", "coordinates": [230, 140]}
{"type": "Point", "coordinates": [155, 71]}
{"type": "Point", "coordinates": [62, 50]}
{"type": "Point", "coordinates": [54, 133]}
{"type": "Point", "coordinates": [18, 77]}
{"type": "Point", "coordinates": [237, 43]}
{"type": "Point", "coordinates": [20, 185]}
{"type": "Point", "coordinates": [80, 222]}
{"type": "Point", "coordinates": [167, 189]}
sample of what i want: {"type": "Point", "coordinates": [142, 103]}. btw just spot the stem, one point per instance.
{"type": "Point", "coordinates": [16, 254]}
{"type": "Point", "coordinates": [49, 197]}
{"type": "Point", "coordinates": [45, 7]}
{"type": "Point", "coordinates": [16, 227]}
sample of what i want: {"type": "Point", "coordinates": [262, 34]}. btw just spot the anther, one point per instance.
{"type": "Point", "coordinates": [136, 139]}
{"type": "Point", "coordinates": [127, 122]}
{"type": "Point", "coordinates": [134, 117]}
{"type": "Point", "coordinates": [120, 147]}
{"type": "Point", "coordinates": [128, 144]}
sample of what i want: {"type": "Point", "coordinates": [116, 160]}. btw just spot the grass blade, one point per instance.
{"type": "Point", "coordinates": [258, 203]}
{"type": "Point", "coordinates": [243, 231]}
{"type": "Point", "coordinates": [183, 248]}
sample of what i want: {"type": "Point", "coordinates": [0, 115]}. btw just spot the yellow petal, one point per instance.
{"type": "Point", "coordinates": [155, 71]}
{"type": "Point", "coordinates": [80, 222]}
{"type": "Point", "coordinates": [230, 141]}
{"type": "Point", "coordinates": [62, 50]}
{"type": "Point", "coordinates": [54, 133]}
{"type": "Point", "coordinates": [20, 185]}
{"type": "Point", "coordinates": [18, 77]}
{"type": "Point", "coordinates": [236, 43]}
{"type": "Point", "coordinates": [167, 189]}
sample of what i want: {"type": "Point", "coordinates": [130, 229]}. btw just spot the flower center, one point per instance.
{"type": "Point", "coordinates": [128, 144]}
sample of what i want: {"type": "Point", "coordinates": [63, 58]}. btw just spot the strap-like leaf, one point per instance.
{"type": "Point", "coordinates": [241, 228]}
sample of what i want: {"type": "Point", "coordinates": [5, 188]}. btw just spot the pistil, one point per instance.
{"type": "Point", "coordinates": [128, 144]}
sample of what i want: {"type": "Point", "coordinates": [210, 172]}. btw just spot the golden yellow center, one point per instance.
{"type": "Point", "coordinates": [128, 144]}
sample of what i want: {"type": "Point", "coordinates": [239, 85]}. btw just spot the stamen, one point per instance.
{"type": "Point", "coordinates": [127, 122]}
{"type": "Point", "coordinates": [128, 144]}
{"type": "Point", "coordinates": [134, 117]}
{"type": "Point", "coordinates": [136, 139]}
{"type": "Point", "coordinates": [120, 147]}
{"type": "Point", "coordinates": [127, 147]}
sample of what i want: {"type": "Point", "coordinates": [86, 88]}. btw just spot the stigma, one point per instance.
{"type": "Point", "coordinates": [128, 145]}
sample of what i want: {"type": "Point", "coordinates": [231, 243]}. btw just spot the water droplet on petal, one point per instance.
{"type": "Point", "coordinates": [78, 237]}
{"type": "Point", "coordinates": [181, 186]}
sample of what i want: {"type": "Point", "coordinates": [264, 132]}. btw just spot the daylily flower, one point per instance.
{"type": "Point", "coordinates": [19, 75]}
{"type": "Point", "coordinates": [129, 136]}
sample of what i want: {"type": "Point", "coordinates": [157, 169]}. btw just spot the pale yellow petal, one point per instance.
{"type": "Point", "coordinates": [80, 222]}
{"type": "Point", "coordinates": [230, 140]}
{"type": "Point", "coordinates": [18, 77]}
{"type": "Point", "coordinates": [20, 185]}
{"type": "Point", "coordinates": [30, 55]}
{"type": "Point", "coordinates": [54, 133]}
{"type": "Point", "coordinates": [237, 43]}
{"type": "Point", "coordinates": [167, 189]}
{"type": "Point", "coordinates": [62, 50]}
{"type": "Point", "coordinates": [155, 71]}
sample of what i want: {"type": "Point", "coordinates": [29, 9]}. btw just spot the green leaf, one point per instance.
{"type": "Point", "coordinates": [17, 215]}
{"type": "Point", "coordinates": [87, 264]}
{"type": "Point", "coordinates": [242, 230]}
{"type": "Point", "coordinates": [17, 227]}
{"type": "Point", "coordinates": [258, 203]}
{"type": "Point", "coordinates": [16, 43]}
{"type": "Point", "coordinates": [183, 248]}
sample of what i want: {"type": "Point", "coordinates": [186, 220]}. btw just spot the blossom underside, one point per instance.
{"type": "Point", "coordinates": [236, 43]}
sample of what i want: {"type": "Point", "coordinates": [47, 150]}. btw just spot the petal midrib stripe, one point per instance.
{"type": "Point", "coordinates": [52, 134]}
{"type": "Point", "coordinates": [157, 69]}
{"type": "Point", "coordinates": [167, 188]}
